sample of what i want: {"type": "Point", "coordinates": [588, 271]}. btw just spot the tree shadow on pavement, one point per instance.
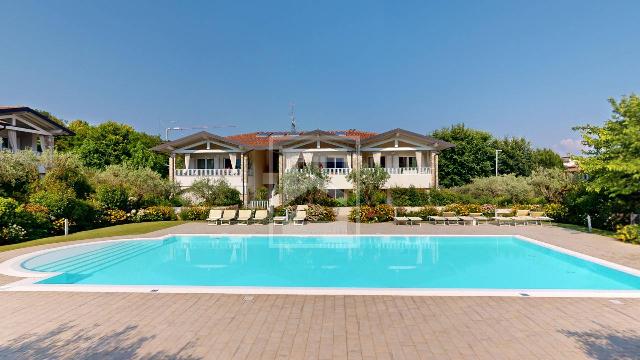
{"type": "Point", "coordinates": [67, 342]}
{"type": "Point", "coordinates": [608, 343]}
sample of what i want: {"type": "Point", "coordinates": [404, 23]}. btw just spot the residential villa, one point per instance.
{"type": "Point", "coordinates": [254, 160]}
{"type": "Point", "coordinates": [22, 128]}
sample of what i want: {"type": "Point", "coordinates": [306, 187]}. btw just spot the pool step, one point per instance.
{"type": "Point", "coordinates": [54, 265]}
{"type": "Point", "coordinates": [89, 263]}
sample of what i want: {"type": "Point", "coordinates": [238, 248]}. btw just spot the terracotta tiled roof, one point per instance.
{"type": "Point", "coordinates": [264, 138]}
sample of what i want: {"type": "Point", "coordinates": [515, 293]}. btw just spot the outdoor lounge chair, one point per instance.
{"type": "Point", "coordinates": [467, 219]}
{"type": "Point", "coordinates": [539, 217]}
{"type": "Point", "coordinates": [435, 219]}
{"type": "Point", "coordinates": [451, 216]}
{"type": "Point", "coordinates": [260, 216]}
{"type": "Point", "coordinates": [502, 217]}
{"type": "Point", "coordinates": [244, 216]}
{"type": "Point", "coordinates": [522, 217]}
{"type": "Point", "coordinates": [228, 216]}
{"type": "Point", "coordinates": [300, 217]}
{"type": "Point", "coordinates": [214, 217]}
{"type": "Point", "coordinates": [479, 217]}
{"type": "Point", "coordinates": [415, 220]}
{"type": "Point", "coordinates": [400, 219]}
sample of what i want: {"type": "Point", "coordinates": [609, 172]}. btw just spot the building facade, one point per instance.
{"type": "Point", "coordinates": [257, 160]}
{"type": "Point", "coordinates": [22, 128]}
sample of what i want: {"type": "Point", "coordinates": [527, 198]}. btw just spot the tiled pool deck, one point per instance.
{"type": "Point", "coordinates": [192, 326]}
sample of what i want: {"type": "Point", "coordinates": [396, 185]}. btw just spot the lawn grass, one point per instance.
{"type": "Point", "coordinates": [608, 233]}
{"type": "Point", "coordinates": [117, 230]}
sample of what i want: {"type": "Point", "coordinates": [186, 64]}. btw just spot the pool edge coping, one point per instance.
{"type": "Point", "coordinates": [13, 267]}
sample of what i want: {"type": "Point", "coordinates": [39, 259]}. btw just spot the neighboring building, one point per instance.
{"type": "Point", "coordinates": [22, 128]}
{"type": "Point", "coordinates": [570, 165]}
{"type": "Point", "coordinates": [254, 160]}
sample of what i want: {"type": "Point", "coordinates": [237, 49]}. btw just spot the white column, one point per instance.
{"type": "Point", "coordinates": [13, 140]}
{"type": "Point", "coordinates": [34, 142]}
{"type": "Point", "coordinates": [396, 161]}
{"type": "Point", "coordinates": [348, 160]}
{"type": "Point", "coordinates": [172, 166]}
{"type": "Point", "coordinates": [419, 159]}
{"type": "Point", "coordinates": [187, 160]}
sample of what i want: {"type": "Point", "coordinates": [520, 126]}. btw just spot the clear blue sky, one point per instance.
{"type": "Point", "coordinates": [523, 68]}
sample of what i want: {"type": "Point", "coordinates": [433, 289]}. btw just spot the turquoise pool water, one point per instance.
{"type": "Point", "coordinates": [489, 262]}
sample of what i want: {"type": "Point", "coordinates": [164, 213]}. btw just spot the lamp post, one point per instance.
{"type": "Point", "coordinates": [497, 152]}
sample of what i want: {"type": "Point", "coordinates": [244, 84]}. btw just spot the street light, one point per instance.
{"type": "Point", "coordinates": [497, 152]}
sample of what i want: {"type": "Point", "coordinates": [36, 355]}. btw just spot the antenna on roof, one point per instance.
{"type": "Point", "coordinates": [292, 116]}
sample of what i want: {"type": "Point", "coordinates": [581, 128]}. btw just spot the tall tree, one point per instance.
{"type": "Point", "coordinates": [613, 152]}
{"type": "Point", "coordinates": [546, 159]}
{"type": "Point", "coordinates": [472, 157]}
{"type": "Point", "coordinates": [516, 156]}
{"type": "Point", "coordinates": [112, 143]}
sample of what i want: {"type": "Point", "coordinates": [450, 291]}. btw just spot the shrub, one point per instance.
{"type": "Point", "coordinates": [144, 186]}
{"type": "Point", "coordinates": [409, 196]}
{"type": "Point", "coordinates": [371, 214]}
{"type": "Point", "coordinates": [215, 192]}
{"type": "Point", "coordinates": [424, 212]}
{"type": "Point", "coordinates": [319, 213]}
{"type": "Point", "coordinates": [463, 209]}
{"type": "Point", "coordinates": [114, 216]}
{"type": "Point", "coordinates": [57, 200]}
{"type": "Point", "coordinates": [12, 234]}
{"type": "Point", "coordinates": [17, 172]}
{"type": "Point", "coordinates": [558, 212]}
{"type": "Point", "coordinates": [8, 208]}
{"type": "Point", "coordinates": [155, 213]}
{"type": "Point", "coordinates": [262, 193]}
{"type": "Point", "coordinates": [367, 182]}
{"type": "Point", "coordinates": [112, 197]}
{"type": "Point", "coordinates": [35, 219]}
{"type": "Point", "coordinates": [629, 233]}
{"type": "Point", "coordinates": [65, 169]}
{"type": "Point", "coordinates": [194, 213]}
{"type": "Point", "coordinates": [377, 198]}
{"type": "Point", "coordinates": [504, 189]}
{"type": "Point", "coordinates": [303, 185]}
{"type": "Point", "coordinates": [441, 197]}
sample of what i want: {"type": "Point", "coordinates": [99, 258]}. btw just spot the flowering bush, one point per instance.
{"type": "Point", "coordinates": [464, 209]}
{"type": "Point", "coordinates": [319, 213]}
{"type": "Point", "coordinates": [12, 234]}
{"type": "Point", "coordinates": [193, 213]}
{"type": "Point", "coordinates": [371, 214]}
{"type": "Point", "coordinates": [154, 213]}
{"type": "Point", "coordinates": [114, 216]}
{"type": "Point", "coordinates": [629, 233]}
{"type": "Point", "coordinates": [423, 213]}
{"type": "Point", "coordinates": [556, 211]}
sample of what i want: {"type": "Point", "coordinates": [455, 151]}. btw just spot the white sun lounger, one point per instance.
{"type": "Point", "coordinates": [400, 219]}
{"type": "Point", "coordinates": [228, 216]}
{"type": "Point", "coordinates": [468, 220]}
{"type": "Point", "coordinates": [435, 219]}
{"type": "Point", "coordinates": [244, 216]}
{"type": "Point", "coordinates": [214, 217]}
{"type": "Point", "coordinates": [451, 216]}
{"type": "Point", "coordinates": [415, 220]}
{"type": "Point", "coordinates": [301, 216]}
{"type": "Point", "coordinates": [479, 218]}
{"type": "Point", "coordinates": [522, 217]}
{"type": "Point", "coordinates": [539, 217]}
{"type": "Point", "coordinates": [260, 216]}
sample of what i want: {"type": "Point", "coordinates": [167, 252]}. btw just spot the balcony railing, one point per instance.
{"type": "Point", "coordinates": [409, 171]}
{"type": "Point", "coordinates": [208, 172]}
{"type": "Point", "coordinates": [328, 171]}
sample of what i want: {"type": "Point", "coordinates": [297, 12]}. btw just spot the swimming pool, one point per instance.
{"type": "Point", "coordinates": [353, 262]}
